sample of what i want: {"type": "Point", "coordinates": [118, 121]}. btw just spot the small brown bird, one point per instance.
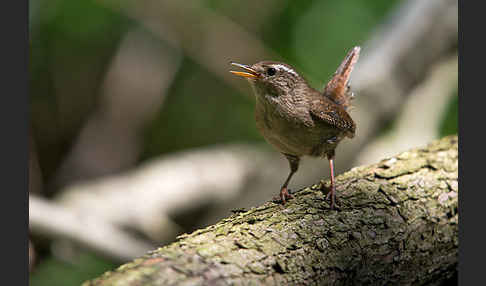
{"type": "Point", "coordinates": [297, 119]}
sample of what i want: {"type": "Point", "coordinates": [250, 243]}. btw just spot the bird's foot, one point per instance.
{"type": "Point", "coordinates": [285, 194]}
{"type": "Point", "coordinates": [330, 195]}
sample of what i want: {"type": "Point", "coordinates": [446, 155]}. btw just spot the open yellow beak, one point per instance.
{"type": "Point", "coordinates": [250, 74]}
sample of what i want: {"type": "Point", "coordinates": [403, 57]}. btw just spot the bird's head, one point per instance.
{"type": "Point", "coordinates": [270, 78]}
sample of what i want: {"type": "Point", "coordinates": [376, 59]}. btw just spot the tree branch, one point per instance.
{"type": "Point", "coordinates": [87, 230]}
{"type": "Point", "coordinates": [396, 223]}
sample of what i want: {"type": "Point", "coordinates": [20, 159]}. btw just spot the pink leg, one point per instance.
{"type": "Point", "coordinates": [331, 195]}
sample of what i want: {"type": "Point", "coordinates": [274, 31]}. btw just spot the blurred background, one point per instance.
{"type": "Point", "coordinates": [139, 133]}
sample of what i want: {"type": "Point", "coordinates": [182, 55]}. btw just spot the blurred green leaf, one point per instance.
{"type": "Point", "coordinates": [53, 272]}
{"type": "Point", "coordinates": [451, 117]}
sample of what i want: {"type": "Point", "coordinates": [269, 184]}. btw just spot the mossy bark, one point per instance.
{"type": "Point", "coordinates": [396, 224]}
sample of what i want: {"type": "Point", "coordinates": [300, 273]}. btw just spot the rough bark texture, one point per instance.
{"type": "Point", "coordinates": [396, 224]}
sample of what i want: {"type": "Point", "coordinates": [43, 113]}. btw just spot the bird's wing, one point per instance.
{"type": "Point", "coordinates": [337, 89]}
{"type": "Point", "coordinates": [322, 109]}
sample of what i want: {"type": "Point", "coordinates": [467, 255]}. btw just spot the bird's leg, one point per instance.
{"type": "Point", "coordinates": [331, 195]}
{"type": "Point", "coordinates": [294, 165]}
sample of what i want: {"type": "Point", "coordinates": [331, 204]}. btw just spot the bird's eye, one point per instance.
{"type": "Point", "coordinates": [271, 71]}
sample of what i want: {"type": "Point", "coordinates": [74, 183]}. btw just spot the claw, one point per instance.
{"type": "Point", "coordinates": [284, 195]}
{"type": "Point", "coordinates": [331, 196]}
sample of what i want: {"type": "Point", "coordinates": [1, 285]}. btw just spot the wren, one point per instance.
{"type": "Point", "coordinates": [299, 120]}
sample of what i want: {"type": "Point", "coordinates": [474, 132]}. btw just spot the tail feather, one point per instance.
{"type": "Point", "coordinates": [338, 88]}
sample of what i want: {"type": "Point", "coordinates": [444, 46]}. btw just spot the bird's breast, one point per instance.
{"type": "Point", "coordinates": [290, 130]}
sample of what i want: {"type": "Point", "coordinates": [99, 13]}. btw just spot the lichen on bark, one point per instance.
{"type": "Point", "coordinates": [396, 224]}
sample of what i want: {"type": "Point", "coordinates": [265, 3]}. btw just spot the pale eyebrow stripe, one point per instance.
{"type": "Point", "coordinates": [285, 68]}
